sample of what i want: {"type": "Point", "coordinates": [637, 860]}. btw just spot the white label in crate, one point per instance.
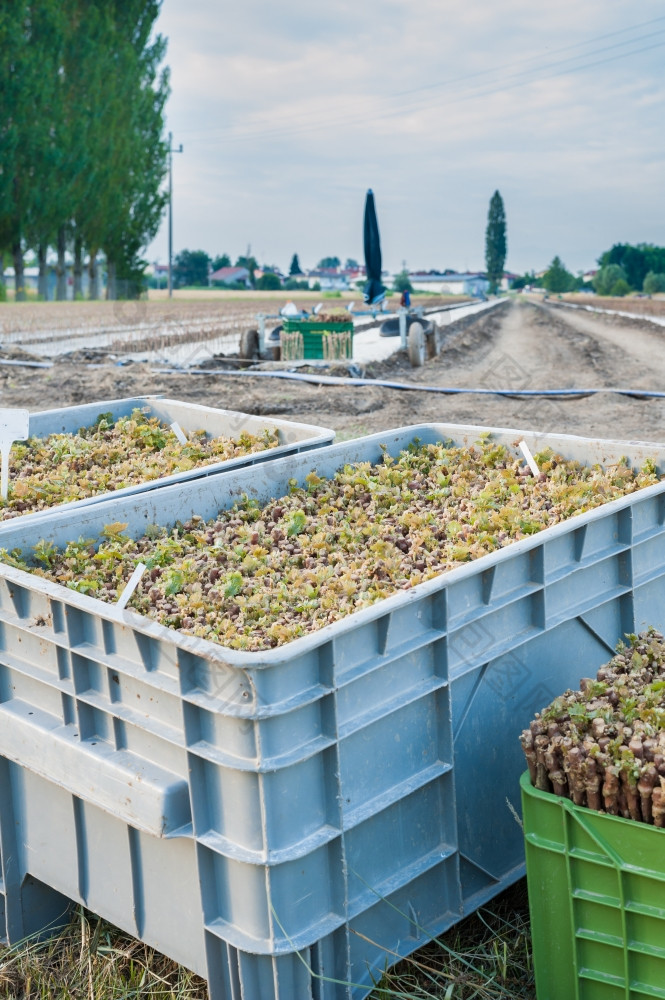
{"type": "Point", "coordinates": [14, 426]}
{"type": "Point", "coordinates": [178, 431]}
{"type": "Point", "coordinates": [530, 460]}
{"type": "Point", "coordinates": [132, 584]}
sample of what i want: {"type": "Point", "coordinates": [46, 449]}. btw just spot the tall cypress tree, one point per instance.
{"type": "Point", "coordinates": [495, 241]}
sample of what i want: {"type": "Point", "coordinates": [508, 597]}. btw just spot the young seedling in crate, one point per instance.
{"type": "Point", "coordinates": [107, 456]}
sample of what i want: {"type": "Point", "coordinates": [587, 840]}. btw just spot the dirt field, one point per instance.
{"type": "Point", "coordinates": [518, 345]}
{"type": "Point", "coordinates": [645, 307]}
{"type": "Point", "coordinates": [209, 318]}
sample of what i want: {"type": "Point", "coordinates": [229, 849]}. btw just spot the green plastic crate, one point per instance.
{"type": "Point", "coordinates": [597, 899]}
{"type": "Point", "coordinates": [313, 334]}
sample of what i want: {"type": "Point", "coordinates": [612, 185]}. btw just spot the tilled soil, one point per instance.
{"type": "Point", "coordinates": [517, 345]}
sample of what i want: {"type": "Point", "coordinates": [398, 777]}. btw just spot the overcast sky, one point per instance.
{"type": "Point", "coordinates": [289, 111]}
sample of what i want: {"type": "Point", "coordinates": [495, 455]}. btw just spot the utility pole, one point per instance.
{"type": "Point", "coordinates": [171, 152]}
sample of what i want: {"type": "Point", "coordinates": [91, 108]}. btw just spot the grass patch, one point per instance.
{"type": "Point", "coordinates": [91, 960]}
{"type": "Point", "coordinates": [487, 956]}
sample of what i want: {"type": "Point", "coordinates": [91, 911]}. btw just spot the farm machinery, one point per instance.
{"type": "Point", "coordinates": [299, 335]}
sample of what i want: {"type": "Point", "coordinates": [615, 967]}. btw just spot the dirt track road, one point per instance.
{"type": "Point", "coordinates": [518, 345]}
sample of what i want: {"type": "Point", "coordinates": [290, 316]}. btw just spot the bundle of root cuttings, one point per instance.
{"type": "Point", "coordinates": [604, 745]}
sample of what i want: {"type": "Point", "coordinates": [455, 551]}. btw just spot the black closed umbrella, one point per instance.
{"type": "Point", "coordinates": [374, 290]}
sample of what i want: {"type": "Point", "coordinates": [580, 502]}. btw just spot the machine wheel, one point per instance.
{"type": "Point", "coordinates": [434, 342]}
{"type": "Point", "coordinates": [249, 345]}
{"type": "Point", "coordinates": [416, 345]}
{"type": "Point", "coordinates": [277, 353]}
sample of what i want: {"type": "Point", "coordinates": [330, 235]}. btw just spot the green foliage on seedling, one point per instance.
{"type": "Point", "coordinates": [114, 530]}
{"type": "Point", "coordinates": [296, 523]}
{"type": "Point", "coordinates": [45, 552]}
{"type": "Point", "coordinates": [14, 558]}
{"type": "Point", "coordinates": [233, 584]}
{"type": "Point", "coordinates": [175, 583]}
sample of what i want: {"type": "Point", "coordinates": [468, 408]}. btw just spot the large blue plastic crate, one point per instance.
{"type": "Point", "coordinates": [293, 437]}
{"type": "Point", "coordinates": [282, 819]}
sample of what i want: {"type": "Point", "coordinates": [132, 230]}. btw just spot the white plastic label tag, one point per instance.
{"type": "Point", "coordinates": [132, 584]}
{"type": "Point", "coordinates": [530, 460]}
{"type": "Point", "coordinates": [14, 426]}
{"type": "Point", "coordinates": [178, 431]}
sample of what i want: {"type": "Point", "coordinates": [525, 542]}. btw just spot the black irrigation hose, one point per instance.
{"type": "Point", "coordinates": [414, 387]}
{"type": "Point", "coordinates": [28, 364]}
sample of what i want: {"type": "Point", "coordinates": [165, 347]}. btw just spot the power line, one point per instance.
{"type": "Point", "coordinates": [536, 59]}
{"type": "Point", "coordinates": [303, 119]}
{"type": "Point", "coordinates": [358, 118]}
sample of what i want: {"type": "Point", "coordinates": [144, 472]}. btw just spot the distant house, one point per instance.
{"type": "Point", "coordinates": [507, 281]}
{"type": "Point", "coordinates": [31, 278]}
{"type": "Point", "coordinates": [231, 276]}
{"type": "Point", "coordinates": [449, 283]}
{"type": "Point", "coordinates": [329, 279]}
{"type": "Point", "coordinates": [159, 273]}
{"type": "Point", "coordinates": [354, 275]}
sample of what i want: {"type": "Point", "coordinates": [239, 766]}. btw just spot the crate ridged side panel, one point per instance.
{"type": "Point", "coordinates": [110, 867]}
{"type": "Point", "coordinates": [344, 964]}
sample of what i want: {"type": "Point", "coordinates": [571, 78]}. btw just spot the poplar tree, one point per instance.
{"type": "Point", "coordinates": [82, 151]}
{"type": "Point", "coordinates": [495, 241]}
{"type": "Point", "coordinates": [137, 203]}
{"type": "Point", "coordinates": [29, 46]}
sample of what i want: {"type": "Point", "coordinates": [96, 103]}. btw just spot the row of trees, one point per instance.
{"type": "Point", "coordinates": [192, 268]}
{"type": "Point", "coordinates": [557, 279]}
{"type": "Point", "coordinates": [82, 149]}
{"type": "Point", "coordinates": [627, 268]}
{"type": "Point", "coordinates": [623, 269]}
